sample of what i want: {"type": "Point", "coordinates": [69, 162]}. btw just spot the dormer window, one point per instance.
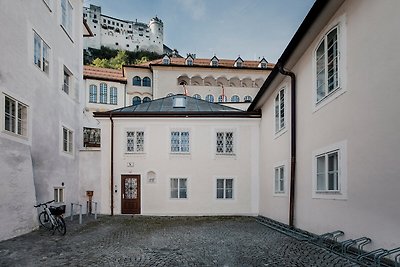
{"type": "Point", "coordinates": [166, 60]}
{"type": "Point", "coordinates": [263, 63]}
{"type": "Point", "coordinates": [214, 61]}
{"type": "Point", "coordinates": [189, 62]}
{"type": "Point", "coordinates": [238, 62]}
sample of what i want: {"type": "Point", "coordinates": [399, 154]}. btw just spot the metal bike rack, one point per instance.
{"type": "Point", "coordinates": [351, 249]}
{"type": "Point", "coordinates": [80, 211]}
{"type": "Point", "coordinates": [88, 210]}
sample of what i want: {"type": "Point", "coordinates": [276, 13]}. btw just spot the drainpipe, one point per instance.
{"type": "Point", "coordinates": [112, 165]}
{"type": "Point", "coordinates": [292, 140]}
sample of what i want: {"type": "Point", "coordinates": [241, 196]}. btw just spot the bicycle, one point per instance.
{"type": "Point", "coordinates": [51, 217]}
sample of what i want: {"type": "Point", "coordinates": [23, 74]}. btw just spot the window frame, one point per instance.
{"type": "Point", "coordinates": [60, 192]}
{"type": "Point", "coordinates": [19, 122]}
{"type": "Point", "coordinates": [280, 123]}
{"type": "Point", "coordinates": [146, 82]}
{"type": "Point", "coordinates": [103, 95]}
{"type": "Point", "coordinates": [93, 93]}
{"type": "Point", "coordinates": [188, 145]}
{"type": "Point", "coordinates": [209, 98]}
{"type": "Point", "coordinates": [336, 63]}
{"type": "Point", "coordinates": [224, 188]}
{"type": "Point", "coordinates": [281, 167]}
{"type": "Point", "coordinates": [67, 144]}
{"type": "Point", "coordinates": [41, 53]}
{"type": "Point", "coordinates": [67, 17]}
{"type": "Point", "coordinates": [113, 95]}
{"type": "Point", "coordinates": [135, 137]}
{"type": "Point", "coordinates": [178, 188]}
{"type": "Point", "coordinates": [341, 191]}
{"type": "Point", "coordinates": [136, 81]}
{"type": "Point", "coordinates": [340, 24]}
{"type": "Point", "coordinates": [224, 145]}
{"type": "Point", "coordinates": [67, 81]}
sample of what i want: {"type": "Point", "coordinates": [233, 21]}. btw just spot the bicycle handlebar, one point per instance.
{"type": "Point", "coordinates": [44, 204]}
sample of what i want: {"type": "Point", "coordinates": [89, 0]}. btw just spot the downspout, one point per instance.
{"type": "Point", "coordinates": [112, 165]}
{"type": "Point", "coordinates": [292, 141]}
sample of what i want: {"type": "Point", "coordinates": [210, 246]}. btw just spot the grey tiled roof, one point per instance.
{"type": "Point", "coordinates": [166, 104]}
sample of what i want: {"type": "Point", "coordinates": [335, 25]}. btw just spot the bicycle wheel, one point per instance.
{"type": "Point", "coordinates": [45, 220]}
{"type": "Point", "coordinates": [61, 227]}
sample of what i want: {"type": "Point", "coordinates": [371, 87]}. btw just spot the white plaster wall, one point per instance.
{"type": "Point", "coordinates": [17, 191]}
{"type": "Point", "coordinates": [274, 152]}
{"type": "Point", "coordinates": [48, 106]}
{"type": "Point", "coordinates": [365, 117]}
{"type": "Point", "coordinates": [201, 167]}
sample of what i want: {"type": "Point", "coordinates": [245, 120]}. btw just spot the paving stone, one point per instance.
{"type": "Point", "coordinates": [165, 241]}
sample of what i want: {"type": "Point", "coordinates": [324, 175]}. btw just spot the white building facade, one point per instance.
{"type": "Point", "coordinates": [179, 156]}
{"type": "Point", "coordinates": [40, 108]}
{"type": "Point", "coordinates": [345, 142]}
{"type": "Point", "coordinates": [123, 34]}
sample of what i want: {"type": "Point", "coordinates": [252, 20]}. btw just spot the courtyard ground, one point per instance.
{"type": "Point", "coordinates": [165, 241]}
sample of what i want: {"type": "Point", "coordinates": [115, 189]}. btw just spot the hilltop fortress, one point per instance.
{"type": "Point", "coordinates": [123, 34]}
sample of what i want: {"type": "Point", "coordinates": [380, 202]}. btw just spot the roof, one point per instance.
{"type": "Point", "coordinates": [319, 12]}
{"type": "Point", "coordinates": [164, 107]}
{"type": "Point", "coordinates": [104, 74]}
{"type": "Point", "coordinates": [205, 62]}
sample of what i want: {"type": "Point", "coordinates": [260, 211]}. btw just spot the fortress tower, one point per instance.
{"type": "Point", "coordinates": [123, 34]}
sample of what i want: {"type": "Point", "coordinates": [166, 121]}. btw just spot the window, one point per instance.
{"type": "Point", "coordinates": [67, 81]}
{"type": "Point", "coordinates": [280, 111]}
{"type": "Point", "coordinates": [178, 188]}
{"type": "Point", "coordinates": [41, 53]}
{"type": "Point", "coordinates": [66, 16]}
{"type": "Point", "coordinates": [247, 98]}
{"type": "Point", "coordinates": [135, 141]}
{"type": "Point", "coordinates": [136, 81]}
{"type": "Point", "coordinates": [263, 65]}
{"type": "Point", "coordinates": [235, 98]}
{"type": "Point", "coordinates": [279, 187]}
{"type": "Point", "coordinates": [58, 194]}
{"type": "Point", "coordinates": [239, 64]}
{"type": "Point", "coordinates": [136, 101]}
{"type": "Point", "coordinates": [166, 60]}
{"type": "Point", "coordinates": [330, 172]}
{"type": "Point", "coordinates": [67, 140]}
{"type": "Point", "coordinates": [180, 142]}
{"type": "Point", "coordinates": [146, 99]}
{"type": "Point", "coordinates": [170, 94]}
{"type": "Point", "coordinates": [222, 98]}
{"type": "Point", "coordinates": [224, 188]}
{"type": "Point", "coordinates": [103, 93]}
{"type": "Point", "coordinates": [327, 65]}
{"type": "Point", "coordinates": [196, 96]}
{"type": "Point", "coordinates": [92, 93]}
{"type": "Point", "coordinates": [91, 137]}
{"type": "Point", "coordinates": [146, 81]}
{"type": "Point", "coordinates": [210, 98]}
{"type": "Point", "coordinates": [224, 143]}
{"type": "Point", "coordinates": [214, 63]}
{"type": "Point", "coordinates": [189, 62]}
{"type": "Point", "coordinates": [15, 116]}
{"type": "Point", "coordinates": [113, 96]}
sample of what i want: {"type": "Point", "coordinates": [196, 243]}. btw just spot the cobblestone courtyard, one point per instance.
{"type": "Point", "coordinates": [164, 241]}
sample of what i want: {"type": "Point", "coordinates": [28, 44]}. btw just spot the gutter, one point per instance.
{"type": "Point", "coordinates": [112, 165]}
{"type": "Point", "coordinates": [293, 144]}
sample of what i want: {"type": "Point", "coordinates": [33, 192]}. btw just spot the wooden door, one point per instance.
{"type": "Point", "coordinates": [130, 194]}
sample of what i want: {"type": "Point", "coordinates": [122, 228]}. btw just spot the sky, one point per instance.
{"type": "Point", "coordinates": [251, 29]}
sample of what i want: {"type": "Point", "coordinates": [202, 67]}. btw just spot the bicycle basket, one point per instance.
{"type": "Point", "coordinates": [57, 210]}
